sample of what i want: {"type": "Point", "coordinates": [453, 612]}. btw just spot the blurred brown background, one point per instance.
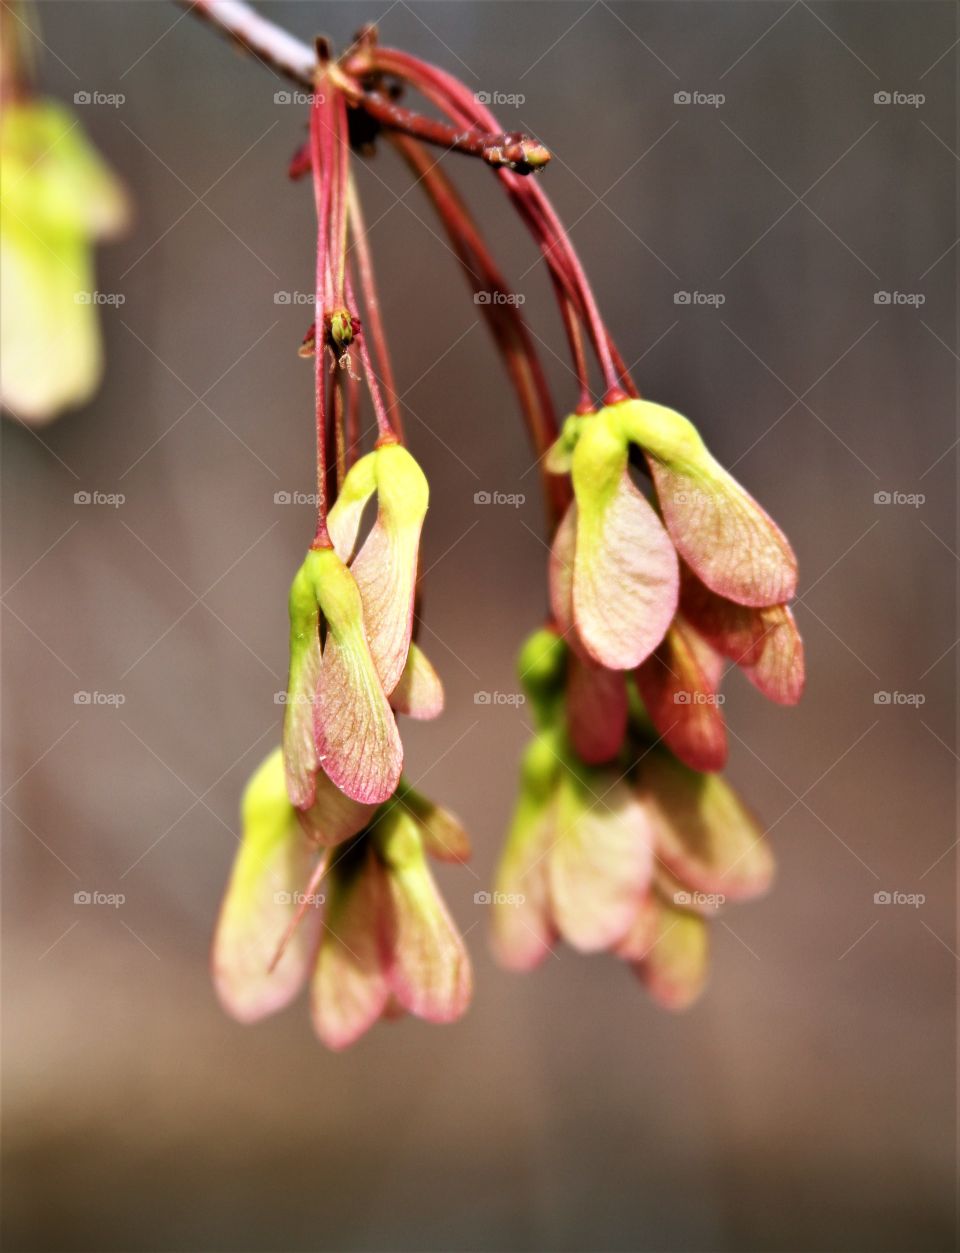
{"type": "Point", "coordinates": [809, 1101]}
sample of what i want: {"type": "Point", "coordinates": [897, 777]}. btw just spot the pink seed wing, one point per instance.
{"type": "Point", "coordinates": [625, 580]}
{"type": "Point", "coordinates": [272, 865]}
{"type": "Point", "coordinates": [705, 835]}
{"type": "Point", "coordinates": [427, 962]}
{"type": "Point", "coordinates": [596, 709]}
{"type": "Point", "coordinates": [333, 817]}
{"type": "Point", "coordinates": [419, 694]}
{"type": "Point", "coordinates": [675, 967]}
{"type": "Point", "coordinates": [723, 534]}
{"type": "Point", "coordinates": [678, 686]}
{"type": "Point", "coordinates": [601, 862]}
{"type": "Point", "coordinates": [523, 931]}
{"type": "Point", "coordinates": [299, 749]}
{"type": "Point", "coordinates": [349, 989]}
{"type": "Point", "coordinates": [358, 744]}
{"type": "Point", "coordinates": [385, 570]}
{"type": "Point", "coordinates": [764, 643]}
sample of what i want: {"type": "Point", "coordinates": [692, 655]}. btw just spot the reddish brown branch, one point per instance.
{"type": "Point", "coordinates": [287, 56]}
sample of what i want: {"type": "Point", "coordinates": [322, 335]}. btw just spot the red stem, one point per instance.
{"type": "Point", "coordinates": [372, 313]}
{"type": "Point", "coordinates": [513, 150]}
{"type": "Point", "coordinates": [385, 432]}
{"type": "Point", "coordinates": [286, 55]}
{"type": "Point", "coordinates": [506, 322]}
{"type": "Point", "coordinates": [457, 102]}
{"type": "Point", "coordinates": [321, 192]}
{"type": "Point", "coordinates": [353, 418]}
{"type": "Point", "coordinates": [339, 437]}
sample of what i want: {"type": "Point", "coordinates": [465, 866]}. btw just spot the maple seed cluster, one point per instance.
{"type": "Point", "coordinates": [664, 572]}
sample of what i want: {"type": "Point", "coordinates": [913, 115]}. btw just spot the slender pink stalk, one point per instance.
{"type": "Point", "coordinates": [506, 322]}
{"type": "Point", "coordinates": [352, 387]}
{"type": "Point", "coordinates": [339, 430]}
{"type": "Point", "coordinates": [340, 182]}
{"type": "Point", "coordinates": [501, 149]}
{"type": "Point", "coordinates": [372, 312]}
{"type": "Point", "coordinates": [458, 103]}
{"type": "Point", "coordinates": [385, 432]}
{"type": "Point", "coordinates": [321, 191]}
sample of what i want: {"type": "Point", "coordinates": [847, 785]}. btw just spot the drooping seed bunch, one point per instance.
{"type": "Point", "coordinates": [625, 838]}
{"type": "Point", "coordinates": [663, 573]}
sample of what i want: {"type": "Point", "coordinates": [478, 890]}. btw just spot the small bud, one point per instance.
{"type": "Point", "coordinates": [340, 330]}
{"type": "Point", "coordinates": [518, 153]}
